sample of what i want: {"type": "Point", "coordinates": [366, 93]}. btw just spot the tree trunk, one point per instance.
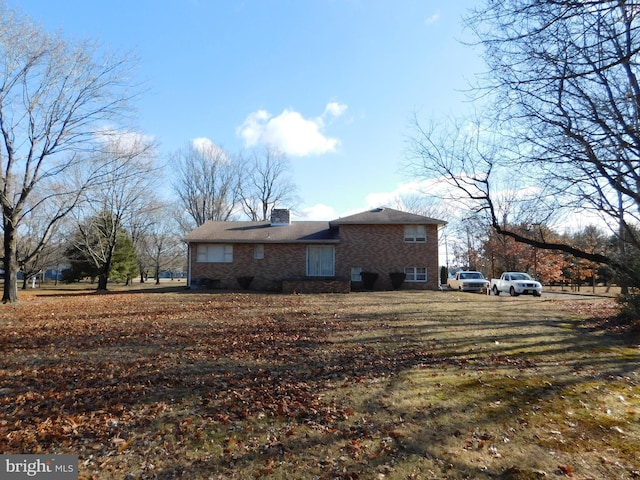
{"type": "Point", "coordinates": [102, 282]}
{"type": "Point", "coordinates": [10, 263]}
{"type": "Point", "coordinates": [103, 278]}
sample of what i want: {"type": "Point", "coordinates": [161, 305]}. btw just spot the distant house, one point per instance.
{"type": "Point", "coordinates": [317, 256]}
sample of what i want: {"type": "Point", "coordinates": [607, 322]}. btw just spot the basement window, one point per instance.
{"type": "Point", "coordinates": [356, 274]}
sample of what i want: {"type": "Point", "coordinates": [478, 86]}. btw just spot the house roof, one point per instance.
{"type": "Point", "coordinates": [264, 232]}
{"type": "Point", "coordinates": [301, 232]}
{"type": "Point", "coordinates": [386, 216]}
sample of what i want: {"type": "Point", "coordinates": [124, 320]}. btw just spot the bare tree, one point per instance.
{"type": "Point", "coordinates": [140, 223]}
{"type": "Point", "coordinates": [565, 104]}
{"type": "Point", "coordinates": [159, 247]}
{"type": "Point", "coordinates": [421, 203]}
{"type": "Point", "coordinates": [35, 255]}
{"type": "Point", "coordinates": [266, 183]}
{"type": "Point", "coordinates": [48, 257]}
{"type": "Point", "coordinates": [54, 96]}
{"type": "Point", "coordinates": [207, 183]}
{"type": "Point", "coordinates": [124, 193]}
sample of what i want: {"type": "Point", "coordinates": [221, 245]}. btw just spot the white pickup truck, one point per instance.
{"type": "Point", "coordinates": [467, 281]}
{"type": "Point", "coordinates": [516, 283]}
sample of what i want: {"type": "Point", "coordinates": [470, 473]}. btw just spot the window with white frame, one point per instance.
{"type": "Point", "coordinates": [321, 261]}
{"type": "Point", "coordinates": [258, 251]}
{"type": "Point", "coordinates": [415, 233]}
{"type": "Point", "coordinates": [415, 274]}
{"type": "Point", "coordinates": [356, 274]}
{"type": "Point", "coordinates": [214, 253]}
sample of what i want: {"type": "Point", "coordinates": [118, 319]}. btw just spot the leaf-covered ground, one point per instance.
{"type": "Point", "coordinates": [399, 385]}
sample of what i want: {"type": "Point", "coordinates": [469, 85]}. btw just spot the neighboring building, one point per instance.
{"type": "Point", "coordinates": [308, 256]}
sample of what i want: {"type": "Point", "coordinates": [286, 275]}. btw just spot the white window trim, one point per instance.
{"type": "Point", "coordinates": [258, 251]}
{"type": "Point", "coordinates": [210, 253]}
{"type": "Point", "coordinates": [412, 275]}
{"type": "Point", "coordinates": [356, 274]}
{"type": "Point", "coordinates": [415, 233]}
{"type": "Point", "coordinates": [333, 261]}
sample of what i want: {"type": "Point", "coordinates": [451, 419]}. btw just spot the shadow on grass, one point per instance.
{"type": "Point", "coordinates": [88, 290]}
{"type": "Point", "coordinates": [363, 388]}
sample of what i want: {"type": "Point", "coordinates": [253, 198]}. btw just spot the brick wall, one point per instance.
{"type": "Point", "coordinates": [280, 261]}
{"type": "Point", "coordinates": [382, 249]}
{"type": "Point", "coordinates": [375, 248]}
{"type": "Point", "coordinates": [308, 285]}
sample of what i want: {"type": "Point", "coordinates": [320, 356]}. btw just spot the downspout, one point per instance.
{"type": "Point", "coordinates": [188, 265]}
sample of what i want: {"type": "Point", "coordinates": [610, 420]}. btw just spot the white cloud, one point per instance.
{"type": "Point", "coordinates": [253, 127]}
{"type": "Point", "coordinates": [432, 19]}
{"type": "Point", "coordinates": [203, 144]}
{"type": "Point", "coordinates": [335, 109]}
{"type": "Point", "coordinates": [428, 188]}
{"type": "Point", "coordinates": [207, 147]}
{"type": "Point", "coordinates": [290, 132]}
{"type": "Point", "coordinates": [317, 212]}
{"type": "Point", "coordinates": [381, 199]}
{"type": "Point", "coordinates": [124, 139]}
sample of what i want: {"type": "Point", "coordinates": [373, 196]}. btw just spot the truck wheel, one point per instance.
{"type": "Point", "coordinates": [512, 292]}
{"type": "Point", "coordinates": [496, 292]}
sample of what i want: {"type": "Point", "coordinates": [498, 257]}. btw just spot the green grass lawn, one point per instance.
{"type": "Point", "coordinates": [161, 384]}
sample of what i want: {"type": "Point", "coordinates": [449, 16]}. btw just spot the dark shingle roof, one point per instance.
{"type": "Point", "coordinates": [301, 232]}
{"type": "Point", "coordinates": [263, 232]}
{"type": "Point", "coordinates": [386, 216]}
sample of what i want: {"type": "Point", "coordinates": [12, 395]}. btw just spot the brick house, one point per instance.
{"type": "Point", "coordinates": [317, 256]}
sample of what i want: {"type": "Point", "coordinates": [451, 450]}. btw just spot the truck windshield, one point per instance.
{"type": "Point", "coordinates": [470, 275]}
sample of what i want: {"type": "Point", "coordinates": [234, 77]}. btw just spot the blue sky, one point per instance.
{"type": "Point", "coordinates": [333, 83]}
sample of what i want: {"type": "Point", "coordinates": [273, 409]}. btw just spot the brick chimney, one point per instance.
{"type": "Point", "coordinates": [280, 216]}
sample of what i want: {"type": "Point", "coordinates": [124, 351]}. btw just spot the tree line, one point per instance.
{"type": "Point", "coordinates": [480, 247]}
{"type": "Point", "coordinates": [121, 230]}
{"type": "Point", "coordinates": [78, 182]}
{"type": "Point", "coordinates": [555, 132]}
